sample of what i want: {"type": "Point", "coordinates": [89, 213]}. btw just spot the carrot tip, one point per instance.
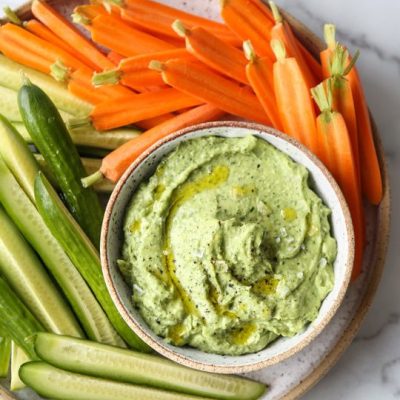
{"type": "Point", "coordinates": [59, 71]}
{"type": "Point", "coordinates": [249, 51]}
{"type": "Point", "coordinates": [180, 28]}
{"type": "Point", "coordinates": [275, 12]}
{"type": "Point", "coordinates": [156, 65]}
{"type": "Point", "coordinates": [11, 15]}
{"type": "Point", "coordinates": [322, 95]}
{"type": "Point", "coordinates": [279, 49]}
{"type": "Point", "coordinates": [330, 35]}
{"type": "Point", "coordinates": [111, 77]}
{"type": "Point", "coordinates": [92, 179]}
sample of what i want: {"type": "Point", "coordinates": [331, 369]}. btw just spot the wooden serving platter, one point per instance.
{"type": "Point", "coordinates": [296, 375]}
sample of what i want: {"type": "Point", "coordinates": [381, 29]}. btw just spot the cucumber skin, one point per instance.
{"type": "Point", "coordinates": [51, 137]}
{"type": "Point", "coordinates": [82, 253]}
{"type": "Point", "coordinates": [17, 321]}
{"type": "Point", "coordinates": [18, 157]}
{"type": "Point", "coordinates": [27, 276]}
{"type": "Point", "coordinates": [78, 293]}
{"type": "Point", "coordinates": [94, 359]}
{"type": "Point", "coordinates": [54, 383]}
{"type": "Point", "coordinates": [5, 354]}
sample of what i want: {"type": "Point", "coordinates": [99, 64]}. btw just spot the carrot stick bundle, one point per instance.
{"type": "Point", "coordinates": [116, 163]}
{"type": "Point", "coordinates": [158, 18]}
{"type": "Point", "coordinates": [282, 31]}
{"type": "Point", "coordinates": [294, 102]}
{"type": "Point", "coordinates": [41, 31]}
{"type": "Point", "coordinates": [206, 85]}
{"type": "Point", "coordinates": [68, 33]}
{"type": "Point", "coordinates": [214, 52]}
{"type": "Point", "coordinates": [134, 71]}
{"type": "Point", "coordinates": [259, 74]}
{"type": "Point", "coordinates": [332, 129]}
{"type": "Point", "coordinates": [118, 36]}
{"type": "Point", "coordinates": [112, 114]}
{"type": "Point", "coordinates": [34, 44]}
{"type": "Point", "coordinates": [371, 178]}
{"type": "Point", "coordinates": [246, 19]}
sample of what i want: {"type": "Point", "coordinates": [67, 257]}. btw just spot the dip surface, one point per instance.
{"type": "Point", "coordinates": [227, 247]}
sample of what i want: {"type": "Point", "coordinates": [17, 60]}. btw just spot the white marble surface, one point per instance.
{"type": "Point", "coordinates": [370, 369]}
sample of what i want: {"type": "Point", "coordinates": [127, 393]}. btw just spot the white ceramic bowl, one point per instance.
{"type": "Point", "coordinates": [112, 239]}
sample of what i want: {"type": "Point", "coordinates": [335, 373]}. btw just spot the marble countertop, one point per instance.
{"type": "Point", "coordinates": [370, 368]}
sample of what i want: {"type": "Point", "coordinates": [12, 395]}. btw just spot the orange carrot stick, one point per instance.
{"type": "Point", "coordinates": [20, 54]}
{"type": "Point", "coordinates": [311, 61]}
{"type": "Point", "coordinates": [116, 163]}
{"type": "Point", "coordinates": [249, 23]}
{"type": "Point", "coordinates": [370, 172]}
{"type": "Point", "coordinates": [114, 57]}
{"type": "Point", "coordinates": [39, 46]}
{"type": "Point", "coordinates": [38, 29]}
{"type": "Point", "coordinates": [112, 114]}
{"type": "Point", "coordinates": [342, 98]}
{"type": "Point", "coordinates": [122, 38]}
{"type": "Point", "coordinates": [332, 128]}
{"type": "Point", "coordinates": [293, 98]}
{"type": "Point", "coordinates": [282, 31]}
{"type": "Point", "coordinates": [134, 71]}
{"type": "Point", "coordinates": [214, 52]}
{"type": "Point", "coordinates": [67, 32]}
{"type": "Point", "coordinates": [259, 74]}
{"type": "Point", "coordinates": [369, 164]}
{"type": "Point", "coordinates": [80, 90]}
{"type": "Point", "coordinates": [203, 83]}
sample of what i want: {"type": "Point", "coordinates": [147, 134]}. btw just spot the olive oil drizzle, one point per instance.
{"type": "Point", "coordinates": [181, 195]}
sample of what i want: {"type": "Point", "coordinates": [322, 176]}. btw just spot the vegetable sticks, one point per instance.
{"type": "Point", "coordinates": [122, 38]}
{"type": "Point", "coordinates": [67, 32]}
{"type": "Point", "coordinates": [246, 19]}
{"type": "Point", "coordinates": [293, 98]}
{"type": "Point", "coordinates": [332, 130]}
{"type": "Point", "coordinates": [259, 74]}
{"type": "Point", "coordinates": [282, 31]}
{"type": "Point", "coordinates": [203, 83]}
{"type": "Point", "coordinates": [214, 52]}
{"type": "Point", "coordinates": [111, 114]}
{"type": "Point", "coordinates": [115, 163]}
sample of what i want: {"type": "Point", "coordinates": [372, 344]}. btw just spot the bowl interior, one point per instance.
{"type": "Point", "coordinates": [112, 240]}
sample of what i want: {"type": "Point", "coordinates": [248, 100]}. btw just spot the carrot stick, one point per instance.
{"type": "Point", "coordinates": [20, 54]}
{"type": "Point", "coordinates": [114, 57]}
{"type": "Point", "coordinates": [259, 74]}
{"type": "Point", "coordinates": [332, 128]}
{"type": "Point", "coordinates": [89, 95]}
{"type": "Point", "coordinates": [112, 114]}
{"type": "Point", "coordinates": [67, 32]}
{"type": "Point", "coordinates": [249, 23]}
{"type": "Point", "coordinates": [208, 86]}
{"type": "Point", "coordinates": [115, 163]}
{"type": "Point", "coordinates": [311, 61]}
{"type": "Point", "coordinates": [214, 52]}
{"type": "Point", "coordinates": [134, 71]}
{"type": "Point", "coordinates": [122, 38]}
{"type": "Point", "coordinates": [371, 178]}
{"type": "Point", "coordinates": [293, 98]}
{"type": "Point", "coordinates": [39, 46]}
{"type": "Point", "coordinates": [282, 31]}
{"type": "Point", "coordinates": [342, 97]}
{"type": "Point", "coordinates": [41, 31]}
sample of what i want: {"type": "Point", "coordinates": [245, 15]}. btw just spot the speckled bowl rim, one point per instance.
{"type": "Point", "coordinates": [157, 345]}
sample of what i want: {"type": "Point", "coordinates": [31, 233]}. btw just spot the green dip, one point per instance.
{"type": "Point", "coordinates": [227, 247]}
